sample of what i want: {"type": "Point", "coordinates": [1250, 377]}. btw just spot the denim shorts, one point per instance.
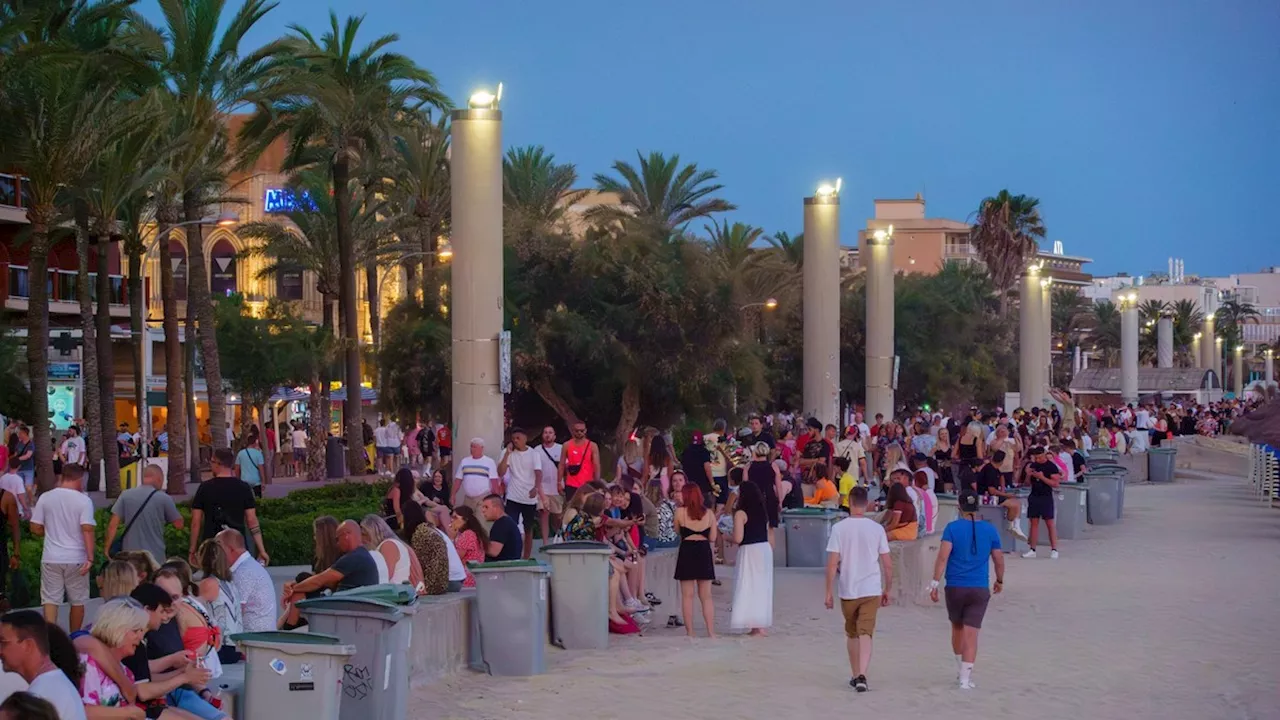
{"type": "Point", "coordinates": [187, 699]}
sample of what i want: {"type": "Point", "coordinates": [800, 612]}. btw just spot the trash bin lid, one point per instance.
{"type": "Point", "coordinates": [806, 511]}
{"type": "Point", "coordinates": [399, 595]}
{"type": "Point", "coordinates": [295, 643]}
{"type": "Point", "coordinates": [351, 605]}
{"type": "Point", "coordinates": [588, 547]}
{"type": "Point", "coordinates": [1163, 451]}
{"type": "Point", "coordinates": [509, 566]}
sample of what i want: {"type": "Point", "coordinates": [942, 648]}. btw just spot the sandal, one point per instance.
{"type": "Point", "coordinates": [674, 622]}
{"type": "Point", "coordinates": [653, 599]}
{"type": "Point", "coordinates": [717, 582]}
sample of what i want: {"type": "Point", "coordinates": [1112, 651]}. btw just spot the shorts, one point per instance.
{"type": "Point", "coordinates": [966, 605]}
{"type": "Point", "coordinates": [445, 452]}
{"type": "Point", "coordinates": [55, 578]}
{"type": "Point", "coordinates": [388, 452]}
{"type": "Point", "coordinates": [722, 498]}
{"type": "Point", "coordinates": [299, 455]}
{"type": "Point", "coordinates": [860, 615]}
{"type": "Point", "coordinates": [28, 477]}
{"type": "Point", "coordinates": [516, 510]}
{"type": "Point", "coordinates": [569, 490]}
{"type": "Point", "coordinates": [552, 503]}
{"type": "Point", "coordinates": [185, 698]}
{"type": "Point", "coordinates": [1040, 506]}
{"type": "Point", "coordinates": [1008, 478]}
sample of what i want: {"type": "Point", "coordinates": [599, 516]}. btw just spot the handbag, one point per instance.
{"type": "Point", "coordinates": [117, 545]}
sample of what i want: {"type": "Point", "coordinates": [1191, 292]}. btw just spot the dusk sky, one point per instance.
{"type": "Point", "coordinates": [1148, 128]}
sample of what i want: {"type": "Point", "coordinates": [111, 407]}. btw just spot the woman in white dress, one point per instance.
{"type": "Point", "coordinates": [396, 561]}
{"type": "Point", "coordinates": [753, 574]}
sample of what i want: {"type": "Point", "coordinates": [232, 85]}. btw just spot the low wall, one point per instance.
{"type": "Point", "coordinates": [1136, 464]}
{"type": "Point", "coordinates": [660, 579]}
{"type": "Point", "coordinates": [913, 570]}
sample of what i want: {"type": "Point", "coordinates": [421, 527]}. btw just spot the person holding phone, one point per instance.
{"type": "Point", "coordinates": [1045, 476]}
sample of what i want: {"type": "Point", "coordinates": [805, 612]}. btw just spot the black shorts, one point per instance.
{"type": "Point", "coordinates": [722, 498]}
{"type": "Point", "coordinates": [967, 605]}
{"type": "Point", "coordinates": [1040, 506]}
{"type": "Point", "coordinates": [1008, 479]}
{"type": "Point", "coordinates": [445, 452]}
{"type": "Point", "coordinates": [516, 510]}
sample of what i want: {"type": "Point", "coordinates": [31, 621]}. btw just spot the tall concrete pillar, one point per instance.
{"type": "Point", "coordinates": [1129, 349]}
{"type": "Point", "coordinates": [1077, 360]}
{"type": "Point", "coordinates": [822, 307]}
{"type": "Point", "coordinates": [1216, 359]}
{"type": "Point", "coordinates": [1269, 373]}
{"type": "Point", "coordinates": [879, 264]}
{"type": "Point", "coordinates": [1164, 342]}
{"type": "Point", "coordinates": [1029, 355]}
{"type": "Point", "coordinates": [1046, 339]}
{"type": "Point", "coordinates": [476, 291]}
{"type": "Point", "coordinates": [1237, 371]}
{"type": "Point", "coordinates": [1197, 351]}
{"type": "Point", "coordinates": [1206, 342]}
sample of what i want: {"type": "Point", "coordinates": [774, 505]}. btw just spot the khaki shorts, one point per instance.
{"type": "Point", "coordinates": [860, 615]}
{"type": "Point", "coordinates": [553, 504]}
{"type": "Point", "coordinates": [55, 578]}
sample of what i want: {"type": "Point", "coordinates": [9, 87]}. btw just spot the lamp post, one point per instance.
{"type": "Point", "coordinates": [1197, 352]}
{"type": "Point", "coordinates": [1210, 307]}
{"type": "Point", "coordinates": [1164, 341]}
{"type": "Point", "coordinates": [1129, 348]}
{"type": "Point", "coordinates": [1237, 372]}
{"type": "Point", "coordinates": [821, 291]}
{"type": "Point", "coordinates": [1046, 336]}
{"type": "Point", "coordinates": [477, 296]}
{"type": "Point", "coordinates": [880, 354]}
{"type": "Point", "coordinates": [1269, 372]}
{"type": "Point", "coordinates": [1217, 360]}
{"type": "Point", "coordinates": [1029, 383]}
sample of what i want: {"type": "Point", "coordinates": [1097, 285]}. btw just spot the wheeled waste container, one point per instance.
{"type": "Point", "coordinates": [1071, 509]}
{"type": "Point", "coordinates": [375, 683]}
{"type": "Point", "coordinates": [1160, 464]}
{"type": "Point", "coordinates": [807, 531]}
{"type": "Point", "coordinates": [579, 594]}
{"type": "Point", "coordinates": [511, 601]}
{"type": "Point", "coordinates": [335, 459]}
{"type": "Point", "coordinates": [1102, 497]}
{"type": "Point", "coordinates": [293, 675]}
{"type": "Point", "coordinates": [995, 515]}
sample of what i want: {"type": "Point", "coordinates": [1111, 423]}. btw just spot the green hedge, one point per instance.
{"type": "Point", "coordinates": [286, 530]}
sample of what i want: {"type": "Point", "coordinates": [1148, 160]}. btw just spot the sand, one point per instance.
{"type": "Point", "coordinates": [1174, 613]}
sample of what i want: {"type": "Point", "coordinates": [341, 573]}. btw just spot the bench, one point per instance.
{"type": "Point", "coordinates": [913, 570]}
{"type": "Point", "coordinates": [660, 578]}
{"type": "Point", "coordinates": [1136, 464]}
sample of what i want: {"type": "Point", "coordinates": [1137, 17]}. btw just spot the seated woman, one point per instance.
{"type": "Point", "coordinates": [626, 556]}
{"type": "Point", "coordinates": [470, 539]}
{"type": "Point", "coordinates": [118, 579]}
{"type": "Point", "coordinates": [219, 595]}
{"type": "Point", "coordinates": [390, 552]}
{"type": "Point", "coordinates": [900, 521]}
{"type": "Point", "coordinates": [201, 637]}
{"type": "Point", "coordinates": [435, 495]}
{"type": "Point", "coordinates": [825, 494]}
{"type": "Point", "coordinates": [142, 561]}
{"type": "Point", "coordinates": [430, 550]}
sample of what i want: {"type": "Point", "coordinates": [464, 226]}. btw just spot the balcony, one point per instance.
{"type": "Point", "coordinates": [62, 288]}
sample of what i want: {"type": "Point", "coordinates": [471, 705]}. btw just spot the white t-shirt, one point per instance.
{"type": "Point", "coordinates": [522, 468]}
{"type": "Point", "coordinates": [73, 450]}
{"type": "Point", "coordinates": [299, 438]}
{"type": "Point", "coordinates": [476, 474]}
{"type": "Point", "coordinates": [12, 483]}
{"type": "Point", "coordinates": [550, 457]}
{"type": "Point", "coordinates": [385, 436]}
{"type": "Point", "coordinates": [1143, 420]}
{"type": "Point", "coordinates": [55, 687]}
{"type": "Point", "coordinates": [62, 511]}
{"type": "Point", "coordinates": [860, 542]}
{"type": "Point", "coordinates": [457, 573]}
{"type": "Point", "coordinates": [916, 500]}
{"type": "Point", "coordinates": [1066, 458]}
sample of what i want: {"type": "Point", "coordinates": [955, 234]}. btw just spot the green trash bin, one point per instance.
{"type": "Point", "coordinates": [297, 674]}
{"type": "Point", "coordinates": [807, 530]}
{"type": "Point", "coordinates": [580, 594]}
{"type": "Point", "coordinates": [375, 683]}
{"type": "Point", "coordinates": [1161, 462]}
{"type": "Point", "coordinates": [511, 603]}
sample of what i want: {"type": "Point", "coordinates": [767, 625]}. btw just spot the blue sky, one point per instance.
{"type": "Point", "coordinates": [1146, 127]}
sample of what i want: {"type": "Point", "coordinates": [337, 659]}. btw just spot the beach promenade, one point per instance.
{"type": "Point", "coordinates": [1171, 614]}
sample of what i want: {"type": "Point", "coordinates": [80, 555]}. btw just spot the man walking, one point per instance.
{"type": "Point", "coordinates": [859, 548]}
{"type": "Point", "coordinates": [144, 510]}
{"type": "Point", "coordinates": [550, 494]}
{"type": "Point", "coordinates": [522, 468]}
{"type": "Point", "coordinates": [63, 516]}
{"type": "Point", "coordinates": [967, 544]}
{"type": "Point", "coordinates": [252, 582]}
{"type": "Point", "coordinates": [224, 501]}
{"type": "Point", "coordinates": [24, 649]}
{"type": "Point", "coordinates": [1045, 477]}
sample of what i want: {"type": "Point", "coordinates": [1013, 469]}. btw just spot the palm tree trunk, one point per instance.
{"type": "Point", "coordinates": [371, 290]}
{"type": "Point", "coordinates": [89, 358]}
{"type": "Point", "coordinates": [326, 405]}
{"type": "Point", "coordinates": [317, 437]}
{"type": "Point", "coordinates": [350, 313]}
{"type": "Point", "coordinates": [107, 371]}
{"type": "Point", "coordinates": [175, 404]}
{"type": "Point", "coordinates": [138, 335]}
{"type": "Point", "coordinates": [41, 218]}
{"type": "Point", "coordinates": [429, 248]}
{"type": "Point", "coordinates": [189, 385]}
{"type": "Point", "coordinates": [200, 307]}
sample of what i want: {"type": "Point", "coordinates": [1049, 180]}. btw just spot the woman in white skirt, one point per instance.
{"type": "Point", "coordinates": [753, 582]}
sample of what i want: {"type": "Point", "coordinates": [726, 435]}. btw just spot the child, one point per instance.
{"type": "Point", "coordinates": [847, 482]}
{"type": "Point", "coordinates": [824, 491]}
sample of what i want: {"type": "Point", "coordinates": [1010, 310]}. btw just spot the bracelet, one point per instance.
{"type": "Point", "coordinates": [934, 585]}
{"type": "Point", "coordinates": [999, 582]}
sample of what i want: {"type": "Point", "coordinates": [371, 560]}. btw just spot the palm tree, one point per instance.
{"type": "Point", "coordinates": [1005, 233]}
{"type": "Point", "coordinates": [1187, 320]}
{"type": "Point", "coordinates": [420, 177]}
{"type": "Point", "coordinates": [1105, 333]}
{"type": "Point", "coordinates": [660, 193]}
{"type": "Point", "coordinates": [341, 102]}
{"type": "Point", "coordinates": [1070, 315]}
{"type": "Point", "coordinates": [790, 249]}
{"type": "Point", "coordinates": [1231, 317]}
{"type": "Point", "coordinates": [536, 191]}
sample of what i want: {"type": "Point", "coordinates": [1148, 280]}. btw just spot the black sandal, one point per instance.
{"type": "Point", "coordinates": [674, 622]}
{"type": "Point", "coordinates": [653, 599]}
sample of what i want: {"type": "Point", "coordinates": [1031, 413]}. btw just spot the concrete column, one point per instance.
{"type": "Point", "coordinates": [1164, 342]}
{"type": "Point", "coordinates": [1077, 359]}
{"type": "Point", "coordinates": [1217, 361]}
{"type": "Point", "coordinates": [476, 290]}
{"type": "Point", "coordinates": [1046, 339]}
{"type": "Point", "coordinates": [1269, 375]}
{"type": "Point", "coordinates": [1197, 351]}
{"type": "Point", "coordinates": [1237, 371]}
{"type": "Point", "coordinates": [879, 264]}
{"type": "Point", "coordinates": [1029, 356]}
{"type": "Point", "coordinates": [1206, 343]}
{"type": "Point", "coordinates": [1129, 351]}
{"type": "Point", "coordinates": [822, 307]}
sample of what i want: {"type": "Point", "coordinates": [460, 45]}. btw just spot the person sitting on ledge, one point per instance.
{"type": "Point", "coordinates": [992, 490]}
{"type": "Point", "coordinates": [900, 520]}
{"type": "Point", "coordinates": [356, 568]}
{"type": "Point", "coordinates": [825, 494]}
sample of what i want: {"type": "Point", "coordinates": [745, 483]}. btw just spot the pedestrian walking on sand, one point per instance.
{"type": "Point", "coordinates": [859, 548]}
{"type": "Point", "coordinates": [967, 544]}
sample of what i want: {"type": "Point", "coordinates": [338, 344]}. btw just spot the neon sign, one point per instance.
{"type": "Point", "coordinates": [284, 200]}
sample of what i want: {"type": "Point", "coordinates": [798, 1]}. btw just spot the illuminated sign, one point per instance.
{"type": "Point", "coordinates": [284, 200]}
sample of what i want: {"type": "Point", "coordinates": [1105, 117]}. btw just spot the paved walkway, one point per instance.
{"type": "Point", "coordinates": [278, 488]}
{"type": "Point", "coordinates": [1171, 614]}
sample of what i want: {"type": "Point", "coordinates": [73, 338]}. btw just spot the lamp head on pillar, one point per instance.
{"type": "Point", "coordinates": [1239, 348]}
{"type": "Point", "coordinates": [828, 193]}
{"type": "Point", "coordinates": [883, 236]}
{"type": "Point", "coordinates": [1197, 336]}
{"type": "Point", "coordinates": [1217, 341]}
{"type": "Point", "coordinates": [485, 100]}
{"type": "Point", "coordinates": [1046, 282]}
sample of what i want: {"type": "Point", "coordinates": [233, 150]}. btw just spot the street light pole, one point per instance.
{"type": "Point", "coordinates": [821, 290]}
{"type": "Point", "coordinates": [1029, 383]}
{"type": "Point", "coordinates": [1129, 348]}
{"type": "Point", "coordinates": [880, 354]}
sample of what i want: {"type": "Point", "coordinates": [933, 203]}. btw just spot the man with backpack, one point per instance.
{"type": "Point", "coordinates": [225, 501]}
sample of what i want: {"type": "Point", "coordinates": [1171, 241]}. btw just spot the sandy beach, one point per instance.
{"type": "Point", "coordinates": [1172, 614]}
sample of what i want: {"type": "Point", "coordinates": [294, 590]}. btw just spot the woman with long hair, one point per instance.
{"type": "Point", "coordinates": [325, 531]}
{"type": "Point", "coordinates": [219, 595]}
{"type": "Point", "coordinates": [630, 463]}
{"type": "Point", "coordinates": [766, 476]}
{"type": "Point", "coordinates": [402, 491]}
{"type": "Point", "coordinates": [659, 464]}
{"type": "Point", "coordinates": [900, 519]}
{"type": "Point", "coordinates": [390, 552]}
{"type": "Point", "coordinates": [665, 508]}
{"type": "Point", "coordinates": [118, 579]}
{"type": "Point", "coordinates": [972, 444]}
{"type": "Point", "coordinates": [753, 572]}
{"type": "Point", "coordinates": [695, 563]}
{"type": "Point", "coordinates": [430, 551]}
{"type": "Point", "coordinates": [470, 538]}
{"type": "Point", "coordinates": [435, 493]}
{"type": "Point", "coordinates": [942, 462]}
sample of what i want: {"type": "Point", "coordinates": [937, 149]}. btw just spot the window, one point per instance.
{"type": "Point", "coordinates": [8, 190]}
{"type": "Point", "coordinates": [289, 282]}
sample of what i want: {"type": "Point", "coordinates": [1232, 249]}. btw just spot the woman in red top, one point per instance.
{"type": "Point", "coordinates": [469, 538]}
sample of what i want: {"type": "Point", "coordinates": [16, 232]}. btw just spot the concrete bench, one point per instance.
{"type": "Point", "coordinates": [913, 570]}
{"type": "Point", "coordinates": [660, 579]}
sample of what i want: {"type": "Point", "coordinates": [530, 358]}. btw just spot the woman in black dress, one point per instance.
{"type": "Point", "coordinates": [695, 563]}
{"type": "Point", "coordinates": [942, 460]}
{"type": "Point", "coordinates": [764, 475]}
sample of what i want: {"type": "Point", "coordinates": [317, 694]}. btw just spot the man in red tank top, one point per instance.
{"type": "Point", "coordinates": [580, 463]}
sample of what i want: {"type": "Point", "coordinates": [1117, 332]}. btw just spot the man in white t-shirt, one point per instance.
{"type": "Point", "coordinates": [63, 516]}
{"type": "Point", "coordinates": [859, 548]}
{"type": "Point", "coordinates": [852, 450]}
{"type": "Point", "coordinates": [11, 482]}
{"type": "Point", "coordinates": [24, 649]}
{"type": "Point", "coordinates": [551, 500]}
{"type": "Point", "coordinates": [386, 440]}
{"type": "Point", "coordinates": [72, 449]}
{"type": "Point", "coordinates": [298, 443]}
{"type": "Point", "coordinates": [521, 465]}
{"type": "Point", "coordinates": [474, 478]}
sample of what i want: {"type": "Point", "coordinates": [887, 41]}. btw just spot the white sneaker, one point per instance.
{"type": "Point", "coordinates": [1053, 555]}
{"type": "Point", "coordinates": [633, 605]}
{"type": "Point", "coordinates": [968, 686]}
{"type": "Point", "coordinates": [1030, 553]}
{"type": "Point", "coordinates": [1016, 529]}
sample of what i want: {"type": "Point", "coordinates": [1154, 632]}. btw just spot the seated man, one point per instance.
{"type": "Point", "coordinates": [505, 540]}
{"type": "Point", "coordinates": [991, 488]}
{"type": "Point", "coordinates": [356, 568]}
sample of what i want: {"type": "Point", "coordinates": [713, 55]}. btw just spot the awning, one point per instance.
{"type": "Point", "coordinates": [367, 395]}
{"type": "Point", "coordinates": [282, 394]}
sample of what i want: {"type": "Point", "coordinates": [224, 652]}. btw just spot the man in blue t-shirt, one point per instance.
{"type": "Point", "coordinates": [967, 544]}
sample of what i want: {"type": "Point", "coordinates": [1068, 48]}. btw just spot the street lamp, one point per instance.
{"type": "Point", "coordinates": [768, 304]}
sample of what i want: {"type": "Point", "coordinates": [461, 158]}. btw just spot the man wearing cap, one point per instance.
{"type": "Point", "coordinates": [1045, 476]}
{"type": "Point", "coordinates": [475, 477]}
{"type": "Point", "coordinates": [967, 545]}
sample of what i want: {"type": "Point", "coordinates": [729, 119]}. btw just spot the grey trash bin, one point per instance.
{"type": "Point", "coordinates": [807, 531]}
{"type": "Point", "coordinates": [1160, 464]}
{"type": "Point", "coordinates": [948, 510]}
{"type": "Point", "coordinates": [580, 594]}
{"type": "Point", "coordinates": [511, 601]}
{"type": "Point", "coordinates": [375, 683]}
{"type": "Point", "coordinates": [1103, 497]}
{"type": "Point", "coordinates": [293, 676]}
{"type": "Point", "coordinates": [335, 458]}
{"type": "Point", "coordinates": [1101, 456]}
{"type": "Point", "coordinates": [995, 515]}
{"type": "Point", "coordinates": [1071, 510]}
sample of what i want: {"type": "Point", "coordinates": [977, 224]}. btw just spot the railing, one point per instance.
{"type": "Point", "coordinates": [62, 286]}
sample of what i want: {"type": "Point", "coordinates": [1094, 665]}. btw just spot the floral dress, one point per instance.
{"type": "Point", "coordinates": [666, 522]}
{"type": "Point", "coordinates": [98, 689]}
{"type": "Point", "coordinates": [580, 527]}
{"type": "Point", "coordinates": [469, 550]}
